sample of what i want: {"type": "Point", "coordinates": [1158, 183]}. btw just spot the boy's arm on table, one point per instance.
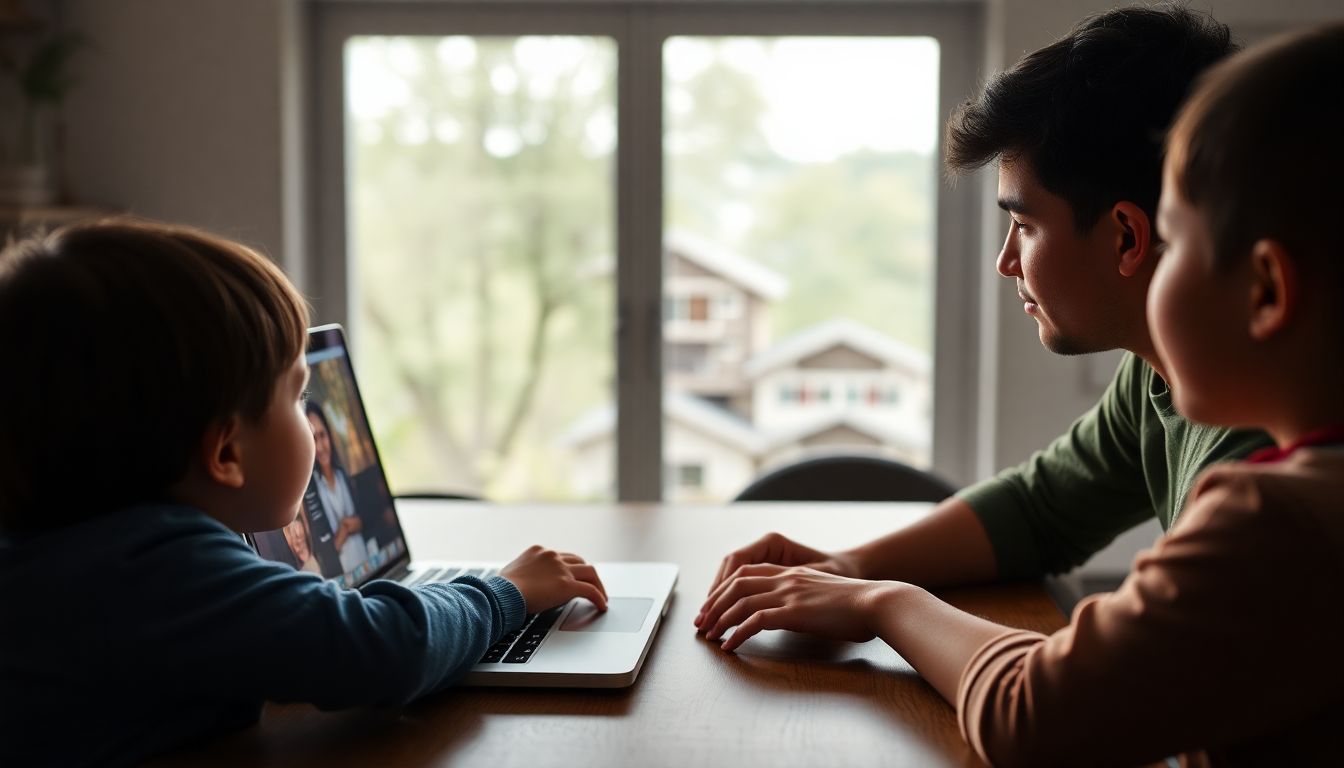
{"type": "Point", "coordinates": [1208, 642]}
{"type": "Point", "coordinates": [948, 546]}
{"type": "Point", "coordinates": [248, 628]}
{"type": "Point", "coordinates": [935, 638]}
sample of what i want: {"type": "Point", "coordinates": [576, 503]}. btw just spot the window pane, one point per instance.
{"type": "Point", "coordinates": [801, 183]}
{"type": "Point", "coordinates": [480, 210]}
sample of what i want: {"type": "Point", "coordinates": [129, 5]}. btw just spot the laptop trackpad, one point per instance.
{"type": "Point", "coordinates": [624, 614]}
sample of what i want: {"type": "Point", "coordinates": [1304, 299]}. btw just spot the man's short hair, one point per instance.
{"type": "Point", "coordinates": [123, 341]}
{"type": "Point", "coordinates": [1259, 151]}
{"type": "Point", "coordinates": [1089, 112]}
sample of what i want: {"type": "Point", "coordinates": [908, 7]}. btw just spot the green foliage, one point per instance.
{"type": "Point", "coordinates": [47, 79]}
{"type": "Point", "coordinates": [43, 80]}
{"type": "Point", "coordinates": [478, 298]}
{"type": "Point", "coordinates": [481, 230]}
{"type": "Point", "coordinates": [854, 237]}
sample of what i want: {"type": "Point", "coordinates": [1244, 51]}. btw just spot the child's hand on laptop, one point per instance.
{"type": "Point", "coordinates": [548, 578]}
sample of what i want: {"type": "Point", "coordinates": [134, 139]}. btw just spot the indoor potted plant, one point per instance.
{"type": "Point", "coordinates": [30, 156]}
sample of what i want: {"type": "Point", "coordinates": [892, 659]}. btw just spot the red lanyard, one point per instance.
{"type": "Point", "coordinates": [1274, 453]}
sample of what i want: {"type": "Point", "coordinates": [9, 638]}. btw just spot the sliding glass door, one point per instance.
{"type": "Point", "coordinates": [628, 251]}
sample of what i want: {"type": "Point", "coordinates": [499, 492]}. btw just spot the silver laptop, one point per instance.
{"type": "Point", "coordinates": [349, 532]}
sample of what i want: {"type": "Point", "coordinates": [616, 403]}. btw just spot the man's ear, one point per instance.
{"type": "Point", "coordinates": [1274, 289]}
{"type": "Point", "coordinates": [1134, 241]}
{"type": "Point", "coordinates": [222, 452]}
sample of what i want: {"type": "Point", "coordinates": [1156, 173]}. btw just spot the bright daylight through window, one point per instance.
{"type": "Point", "coordinates": [480, 217]}
{"type": "Point", "coordinates": [799, 253]}
{"type": "Point", "coordinates": [800, 187]}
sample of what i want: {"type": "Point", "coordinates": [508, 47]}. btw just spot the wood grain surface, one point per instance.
{"type": "Point", "coordinates": [783, 700]}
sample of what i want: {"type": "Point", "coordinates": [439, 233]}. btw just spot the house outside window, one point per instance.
{"type": "Point", "coordinates": [690, 476]}
{"type": "Point", "coordinates": [502, 186]}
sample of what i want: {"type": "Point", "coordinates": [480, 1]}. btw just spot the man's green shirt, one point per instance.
{"type": "Point", "coordinates": [1131, 457]}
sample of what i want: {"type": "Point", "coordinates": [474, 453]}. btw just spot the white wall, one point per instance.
{"type": "Point", "coordinates": [179, 116]}
{"type": "Point", "coordinates": [177, 113]}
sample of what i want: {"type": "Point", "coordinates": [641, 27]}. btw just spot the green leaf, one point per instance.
{"type": "Point", "coordinates": [46, 79]}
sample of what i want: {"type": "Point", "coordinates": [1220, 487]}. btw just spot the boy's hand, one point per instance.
{"type": "Point", "coordinates": [761, 597]}
{"type": "Point", "coordinates": [777, 549]}
{"type": "Point", "coordinates": [548, 578]}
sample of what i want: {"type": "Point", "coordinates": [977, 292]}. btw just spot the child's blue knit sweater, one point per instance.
{"type": "Point", "coordinates": [156, 626]}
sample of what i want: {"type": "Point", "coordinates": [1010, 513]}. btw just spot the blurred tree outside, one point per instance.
{"type": "Point", "coordinates": [853, 234]}
{"type": "Point", "coordinates": [481, 215]}
{"type": "Point", "coordinates": [481, 179]}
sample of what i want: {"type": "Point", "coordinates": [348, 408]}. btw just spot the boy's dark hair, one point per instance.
{"type": "Point", "coordinates": [123, 341]}
{"type": "Point", "coordinates": [1259, 151]}
{"type": "Point", "coordinates": [1089, 112]}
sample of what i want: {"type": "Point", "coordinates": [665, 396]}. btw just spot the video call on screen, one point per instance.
{"type": "Point", "coordinates": [347, 528]}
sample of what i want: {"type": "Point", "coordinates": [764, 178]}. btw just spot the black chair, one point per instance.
{"type": "Point", "coordinates": [872, 478]}
{"type": "Point", "coordinates": [847, 478]}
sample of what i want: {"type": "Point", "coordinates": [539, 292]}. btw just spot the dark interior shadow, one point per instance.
{"type": "Point", "coordinates": [425, 731]}
{"type": "Point", "coordinates": [300, 736]}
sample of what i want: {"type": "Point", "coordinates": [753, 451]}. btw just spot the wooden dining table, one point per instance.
{"type": "Point", "coordinates": [783, 699]}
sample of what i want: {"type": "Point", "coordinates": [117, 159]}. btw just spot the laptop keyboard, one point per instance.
{"type": "Point", "coordinates": [517, 646]}
{"type": "Point", "coordinates": [449, 573]}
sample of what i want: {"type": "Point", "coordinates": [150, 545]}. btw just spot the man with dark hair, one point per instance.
{"type": "Point", "coordinates": [1244, 312]}
{"type": "Point", "coordinates": [1077, 128]}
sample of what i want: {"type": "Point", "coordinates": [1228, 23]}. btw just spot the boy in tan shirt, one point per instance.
{"type": "Point", "coordinates": [1222, 645]}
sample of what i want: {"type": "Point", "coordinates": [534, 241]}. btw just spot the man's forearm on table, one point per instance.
{"type": "Point", "coordinates": [947, 547]}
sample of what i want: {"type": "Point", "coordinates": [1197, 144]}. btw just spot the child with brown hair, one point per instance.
{"type": "Point", "coordinates": [153, 410]}
{"type": "Point", "coordinates": [1223, 643]}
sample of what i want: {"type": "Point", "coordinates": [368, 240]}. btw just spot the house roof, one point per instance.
{"type": "Point", "coordinates": [687, 410]}
{"type": "Point", "coordinates": [737, 433]}
{"type": "Point", "coordinates": [884, 430]}
{"type": "Point", "coordinates": [835, 333]}
{"type": "Point", "coordinates": [751, 276]}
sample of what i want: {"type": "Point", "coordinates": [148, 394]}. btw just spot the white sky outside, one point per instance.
{"type": "Point", "coordinates": [825, 97]}
{"type": "Point", "coordinates": [831, 96]}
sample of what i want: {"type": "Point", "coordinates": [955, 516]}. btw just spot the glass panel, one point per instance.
{"type": "Point", "coordinates": [480, 211]}
{"type": "Point", "coordinates": [799, 235]}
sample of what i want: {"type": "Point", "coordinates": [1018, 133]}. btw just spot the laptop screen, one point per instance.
{"type": "Point", "coordinates": [348, 529]}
